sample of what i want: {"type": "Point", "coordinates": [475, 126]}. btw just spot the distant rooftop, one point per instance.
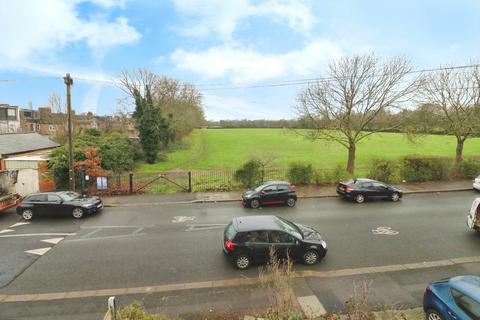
{"type": "Point", "coordinates": [15, 143]}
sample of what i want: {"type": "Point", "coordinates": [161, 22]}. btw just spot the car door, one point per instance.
{"type": "Point", "coordinates": [40, 204]}
{"type": "Point", "coordinates": [381, 190]}
{"type": "Point", "coordinates": [54, 205]}
{"type": "Point", "coordinates": [269, 195]}
{"type": "Point", "coordinates": [284, 244]}
{"type": "Point", "coordinates": [282, 192]}
{"type": "Point", "coordinates": [366, 188]}
{"type": "Point", "coordinates": [465, 307]}
{"type": "Point", "coordinates": [258, 244]}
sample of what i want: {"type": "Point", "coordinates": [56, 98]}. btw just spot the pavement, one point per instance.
{"type": "Point", "coordinates": [169, 257]}
{"type": "Point", "coordinates": [302, 192]}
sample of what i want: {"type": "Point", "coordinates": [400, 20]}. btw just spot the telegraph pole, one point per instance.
{"type": "Point", "coordinates": [71, 173]}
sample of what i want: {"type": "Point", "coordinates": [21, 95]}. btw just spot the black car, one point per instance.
{"type": "Point", "coordinates": [249, 239]}
{"type": "Point", "coordinates": [270, 192]}
{"type": "Point", "coordinates": [362, 189]}
{"type": "Point", "coordinates": [57, 203]}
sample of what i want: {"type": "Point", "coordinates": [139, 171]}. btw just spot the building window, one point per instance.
{"type": "Point", "coordinates": [51, 128]}
{"type": "Point", "coordinates": [27, 114]}
{"type": "Point", "coordinates": [12, 114]}
{"type": "Point", "coordinates": [3, 114]}
{"type": "Point", "coordinates": [32, 127]}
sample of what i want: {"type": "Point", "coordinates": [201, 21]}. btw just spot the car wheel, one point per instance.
{"type": "Point", "coordinates": [242, 261]}
{"type": "Point", "coordinates": [395, 196]}
{"type": "Point", "coordinates": [359, 198]}
{"type": "Point", "coordinates": [77, 213]}
{"type": "Point", "coordinates": [433, 315]}
{"type": "Point", "coordinates": [310, 257]}
{"type": "Point", "coordinates": [254, 204]}
{"type": "Point", "coordinates": [291, 202]}
{"type": "Point", "coordinates": [27, 214]}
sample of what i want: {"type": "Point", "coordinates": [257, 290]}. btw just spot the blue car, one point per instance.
{"type": "Point", "coordinates": [457, 298]}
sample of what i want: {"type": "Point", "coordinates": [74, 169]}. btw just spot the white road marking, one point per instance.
{"type": "Point", "coordinates": [385, 231]}
{"type": "Point", "coordinates": [39, 252]}
{"type": "Point", "coordinates": [179, 219]}
{"type": "Point", "coordinates": [19, 224]}
{"type": "Point", "coordinates": [199, 227]}
{"type": "Point", "coordinates": [6, 230]}
{"type": "Point", "coordinates": [107, 237]}
{"type": "Point", "coordinates": [311, 307]}
{"type": "Point", "coordinates": [36, 235]}
{"type": "Point", "coordinates": [53, 240]}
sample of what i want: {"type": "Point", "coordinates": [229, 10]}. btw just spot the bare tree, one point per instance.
{"type": "Point", "coordinates": [357, 91]}
{"type": "Point", "coordinates": [455, 94]}
{"type": "Point", "coordinates": [139, 79]}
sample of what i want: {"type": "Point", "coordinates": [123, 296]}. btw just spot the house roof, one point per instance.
{"type": "Point", "coordinates": [15, 143]}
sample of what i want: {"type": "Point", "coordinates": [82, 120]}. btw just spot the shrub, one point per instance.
{"type": "Point", "coordinates": [136, 311]}
{"type": "Point", "coordinates": [382, 169]}
{"type": "Point", "coordinates": [249, 174]}
{"type": "Point", "coordinates": [470, 168]}
{"type": "Point", "coordinates": [300, 173]}
{"type": "Point", "coordinates": [416, 169]}
{"type": "Point", "coordinates": [277, 281]}
{"type": "Point", "coordinates": [335, 175]}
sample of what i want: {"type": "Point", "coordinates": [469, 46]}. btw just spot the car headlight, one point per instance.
{"type": "Point", "coordinates": [324, 244]}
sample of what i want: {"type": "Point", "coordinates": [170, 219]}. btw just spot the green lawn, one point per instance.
{"type": "Point", "coordinates": [230, 148]}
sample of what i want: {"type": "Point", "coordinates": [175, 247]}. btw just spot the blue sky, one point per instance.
{"type": "Point", "coordinates": [219, 45]}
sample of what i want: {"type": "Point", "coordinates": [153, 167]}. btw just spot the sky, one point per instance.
{"type": "Point", "coordinates": [232, 50]}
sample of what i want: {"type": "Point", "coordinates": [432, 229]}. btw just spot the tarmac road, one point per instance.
{"type": "Point", "coordinates": [132, 247]}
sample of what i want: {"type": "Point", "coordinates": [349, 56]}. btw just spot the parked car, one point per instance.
{"type": "Point", "coordinates": [473, 217]}
{"type": "Point", "coordinates": [362, 189]}
{"type": "Point", "coordinates": [455, 298]}
{"type": "Point", "coordinates": [57, 203]}
{"type": "Point", "coordinates": [476, 183]}
{"type": "Point", "coordinates": [247, 240]}
{"type": "Point", "coordinates": [270, 192]}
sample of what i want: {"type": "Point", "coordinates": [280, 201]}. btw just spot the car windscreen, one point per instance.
{"type": "Point", "coordinates": [69, 195]}
{"type": "Point", "coordinates": [290, 228]}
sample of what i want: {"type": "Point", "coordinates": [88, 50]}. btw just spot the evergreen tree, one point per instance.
{"type": "Point", "coordinates": [153, 129]}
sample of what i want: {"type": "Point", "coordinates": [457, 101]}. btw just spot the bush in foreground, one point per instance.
{"type": "Point", "coordinates": [136, 311]}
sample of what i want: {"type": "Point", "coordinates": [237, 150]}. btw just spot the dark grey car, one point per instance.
{"type": "Point", "coordinates": [362, 189]}
{"type": "Point", "coordinates": [57, 203]}
{"type": "Point", "coordinates": [249, 239]}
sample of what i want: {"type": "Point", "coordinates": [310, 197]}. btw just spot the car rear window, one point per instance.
{"type": "Point", "coordinates": [230, 231]}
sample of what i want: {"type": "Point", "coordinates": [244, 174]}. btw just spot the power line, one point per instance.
{"type": "Point", "coordinates": [220, 86]}
{"type": "Point", "coordinates": [323, 79]}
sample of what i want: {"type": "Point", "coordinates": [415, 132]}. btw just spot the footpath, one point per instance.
{"type": "Point", "coordinates": [302, 191]}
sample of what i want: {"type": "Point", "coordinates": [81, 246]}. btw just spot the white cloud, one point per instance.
{"type": "Point", "coordinates": [32, 28]}
{"type": "Point", "coordinates": [243, 66]}
{"type": "Point", "coordinates": [221, 107]}
{"type": "Point", "coordinates": [223, 17]}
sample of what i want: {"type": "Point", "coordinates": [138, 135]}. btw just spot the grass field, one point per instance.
{"type": "Point", "coordinates": [230, 148]}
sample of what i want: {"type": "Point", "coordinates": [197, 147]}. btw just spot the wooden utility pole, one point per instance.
{"type": "Point", "coordinates": [71, 173]}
